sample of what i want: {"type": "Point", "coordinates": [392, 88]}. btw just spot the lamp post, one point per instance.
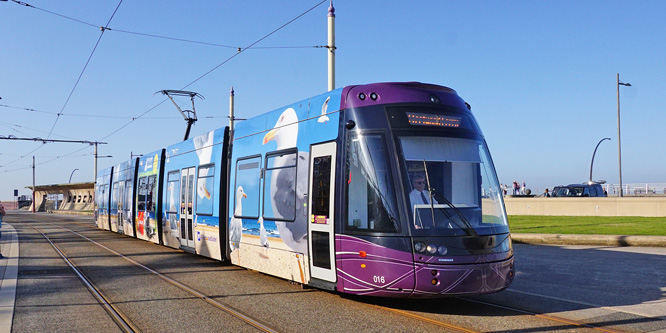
{"type": "Point", "coordinates": [72, 174]}
{"type": "Point", "coordinates": [619, 142]}
{"type": "Point", "coordinates": [595, 152]}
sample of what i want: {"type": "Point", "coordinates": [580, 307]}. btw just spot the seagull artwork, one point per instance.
{"type": "Point", "coordinates": [288, 183]}
{"type": "Point", "coordinates": [263, 236]}
{"type": "Point", "coordinates": [324, 108]}
{"type": "Point", "coordinates": [203, 145]}
{"type": "Point", "coordinates": [236, 224]}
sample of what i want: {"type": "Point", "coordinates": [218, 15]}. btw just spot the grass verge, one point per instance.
{"type": "Point", "coordinates": [589, 225]}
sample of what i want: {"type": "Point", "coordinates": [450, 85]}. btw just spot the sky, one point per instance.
{"type": "Point", "coordinates": [540, 76]}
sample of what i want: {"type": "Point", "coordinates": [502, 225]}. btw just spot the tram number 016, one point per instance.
{"type": "Point", "coordinates": [379, 279]}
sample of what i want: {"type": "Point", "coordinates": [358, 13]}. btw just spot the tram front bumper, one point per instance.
{"type": "Point", "coordinates": [436, 280]}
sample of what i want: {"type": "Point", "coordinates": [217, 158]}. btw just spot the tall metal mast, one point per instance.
{"type": "Point", "coordinates": [331, 47]}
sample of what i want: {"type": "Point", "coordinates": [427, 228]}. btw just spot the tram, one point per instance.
{"type": "Point", "coordinates": [384, 189]}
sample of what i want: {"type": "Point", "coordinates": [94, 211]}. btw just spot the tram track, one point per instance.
{"type": "Point", "coordinates": [574, 324]}
{"type": "Point", "coordinates": [427, 320]}
{"type": "Point", "coordinates": [124, 323]}
{"type": "Point", "coordinates": [412, 314]}
{"type": "Point", "coordinates": [240, 315]}
{"type": "Point", "coordinates": [559, 320]}
{"type": "Point", "coordinates": [118, 317]}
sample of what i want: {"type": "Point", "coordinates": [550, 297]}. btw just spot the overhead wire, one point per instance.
{"type": "Point", "coordinates": [54, 13]}
{"type": "Point", "coordinates": [107, 28]}
{"type": "Point", "coordinates": [14, 127]}
{"type": "Point", "coordinates": [85, 115]}
{"type": "Point", "coordinates": [77, 80]}
{"type": "Point", "coordinates": [84, 69]}
{"type": "Point", "coordinates": [213, 44]}
{"type": "Point", "coordinates": [141, 116]}
{"type": "Point", "coordinates": [240, 50]}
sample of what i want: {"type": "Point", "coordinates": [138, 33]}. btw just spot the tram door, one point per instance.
{"type": "Point", "coordinates": [186, 202]}
{"type": "Point", "coordinates": [321, 235]}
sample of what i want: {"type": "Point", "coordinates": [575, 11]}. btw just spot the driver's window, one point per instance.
{"type": "Point", "coordinates": [370, 195]}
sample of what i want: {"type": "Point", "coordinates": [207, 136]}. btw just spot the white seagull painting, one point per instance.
{"type": "Point", "coordinates": [263, 236]}
{"type": "Point", "coordinates": [236, 224]}
{"type": "Point", "coordinates": [282, 187]}
{"type": "Point", "coordinates": [324, 109]}
{"type": "Point", "coordinates": [203, 145]}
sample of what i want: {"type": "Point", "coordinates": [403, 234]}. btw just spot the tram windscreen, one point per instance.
{"type": "Point", "coordinates": [453, 187]}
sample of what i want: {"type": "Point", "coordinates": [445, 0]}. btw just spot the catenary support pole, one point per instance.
{"type": "Point", "coordinates": [331, 47]}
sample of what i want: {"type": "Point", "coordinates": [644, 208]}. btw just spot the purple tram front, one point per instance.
{"type": "Point", "coordinates": [420, 208]}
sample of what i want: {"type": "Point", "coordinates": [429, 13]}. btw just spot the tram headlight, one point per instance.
{"type": "Point", "coordinates": [419, 246]}
{"type": "Point", "coordinates": [432, 248]}
{"type": "Point", "coordinates": [442, 250]}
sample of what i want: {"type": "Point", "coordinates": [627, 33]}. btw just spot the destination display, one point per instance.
{"type": "Point", "coordinates": [426, 119]}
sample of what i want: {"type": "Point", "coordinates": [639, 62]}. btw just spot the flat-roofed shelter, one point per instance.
{"type": "Point", "coordinates": [75, 197]}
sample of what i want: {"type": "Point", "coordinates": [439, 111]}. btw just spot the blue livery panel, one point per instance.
{"type": "Point", "coordinates": [122, 198]}
{"type": "Point", "coordinates": [269, 184]}
{"type": "Point", "coordinates": [192, 194]}
{"type": "Point", "coordinates": [147, 194]}
{"type": "Point", "coordinates": [103, 198]}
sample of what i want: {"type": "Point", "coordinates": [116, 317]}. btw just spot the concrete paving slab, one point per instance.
{"type": "Point", "coordinates": [9, 245]}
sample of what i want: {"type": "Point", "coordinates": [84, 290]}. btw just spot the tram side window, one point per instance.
{"type": "Point", "coordinates": [128, 195]}
{"type": "Point", "coordinates": [248, 177]}
{"type": "Point", "coordinates": [150, 194]}
{"type": "Point", "coordinates": [280, 187]}
{"type": "Point", "coordinates": [321, 186]}
{"type": "Point", "coordinates": [205, 190]}
{"type": "Point", "coordinates": [103, 198]}
{"type": "Point", "coordinates": [141, 202]}
{"type": "Point", "coordinates": [172, 191]}
{"type": "Point", "coordinates": [99, 197]}
{"type": "Point", "coordinates": [114, 197]}
{"type": "Point", "coordinates": [370, 195]}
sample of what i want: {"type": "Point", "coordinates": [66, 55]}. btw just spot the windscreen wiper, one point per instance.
{"type": "Point", "coordinates": [432, 204]}
{"type": "Point", "coordinates": [462, 217]}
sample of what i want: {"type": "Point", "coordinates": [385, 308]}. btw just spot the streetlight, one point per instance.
{"type": "Point", "coordinates": [72, 174]}
{"type": "Point", "coordinates": [595, 152]}
{"type": "Point", "coordinates": [619, 142]}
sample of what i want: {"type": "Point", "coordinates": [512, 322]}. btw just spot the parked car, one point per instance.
{"type": "Point", "coordinates": [579, 190]}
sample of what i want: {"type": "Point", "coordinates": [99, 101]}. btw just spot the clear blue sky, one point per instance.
{"type": "Point", "coordinates": [540, 76]}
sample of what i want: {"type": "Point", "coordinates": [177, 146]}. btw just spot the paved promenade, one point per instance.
{"type": "Point", "coordinates": [9, 245]}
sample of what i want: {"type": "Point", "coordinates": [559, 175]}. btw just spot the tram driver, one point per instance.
{"type": "Point", "coordinates": [419, 195]}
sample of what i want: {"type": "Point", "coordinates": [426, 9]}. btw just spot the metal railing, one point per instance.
{"type": "Point", "coordinates": [637, 189]}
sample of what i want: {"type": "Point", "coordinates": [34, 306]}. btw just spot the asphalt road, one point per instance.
{"type": "Point", "coordinates": [556, 289]}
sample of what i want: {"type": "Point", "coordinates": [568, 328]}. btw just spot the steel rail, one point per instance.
{"type": "Point", "coordinates": [426, 319]}
{"type": "Point", "coordinates": [247, 319]}
{"type": "Point", "coordinates": [121, 320]}
{"type": "Point", "coordinates": [543, 316]}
